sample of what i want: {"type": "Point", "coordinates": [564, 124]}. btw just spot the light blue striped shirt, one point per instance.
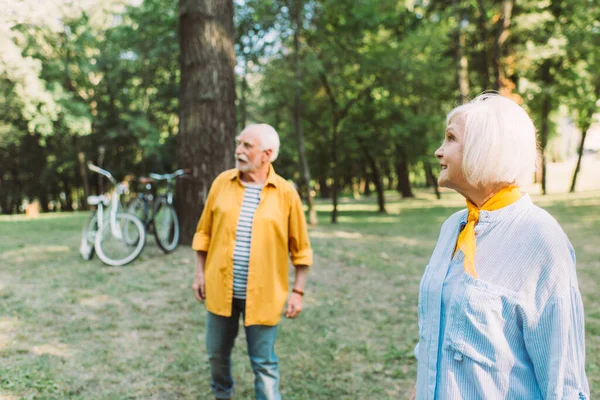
{"type": "Point", "coordinates": [243, 236]}
{"type": "Point", "coordinates": [516, 331]}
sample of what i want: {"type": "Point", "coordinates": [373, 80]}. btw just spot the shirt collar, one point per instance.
{"type": "Point", "coordinates": [491, 216]}
{"type": "Point", "coordinates": [271, 177]}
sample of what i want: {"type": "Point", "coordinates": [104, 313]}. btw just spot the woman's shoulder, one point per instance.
{"type": "Point", "coordinates": [539, 225]}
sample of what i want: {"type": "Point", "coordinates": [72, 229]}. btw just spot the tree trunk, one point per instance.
{"type": "Point", "coordinates": [367, 182]}
{"type": "Point", "coordinates": [68, 202]}
{"type": "Point", "coordinates": [376, 175]}
{"type": "Point", "coordinates": [545, 119]}
{"type": "Point", "coordinates": [44, 200]}
{"type": "Point", "coordinates": [334, 170]}
{"type": "Point", "coordinates": [323, 188]}
{"type": "Point", "coordinates": [207, 123]}
{"type": "Point", "coordinates": [501, 36]}
{"type": "Point", "coordinates": [584, 130]}
{"type": "Point", "coordinates": [390, 182]}
{"type": "Point", "coordinates": [404, 187]}
{"type": "Point", "coordinates": [430, 176]}
{"type": "Point", "coordinates": [243, 95]}
{"type": "Point", "coordinates": [304, 168]}
{"type": "Point", "coordinates": [460, 59]}
{"type": "Point", "coordinates": [378, 185]}
{"type": "Point", "coordinates": [481, 27]}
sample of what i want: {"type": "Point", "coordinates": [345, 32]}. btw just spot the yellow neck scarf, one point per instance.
{"type": "Point", "coordinates": [466, 240]}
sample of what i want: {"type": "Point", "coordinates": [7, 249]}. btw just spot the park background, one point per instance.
{"type": "Point", "coordinates": [358, 91]}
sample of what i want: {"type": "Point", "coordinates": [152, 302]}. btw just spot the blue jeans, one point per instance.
{"type": "Point", "coordinates": [220, 337]}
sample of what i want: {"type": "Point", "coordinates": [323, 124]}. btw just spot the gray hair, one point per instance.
{"type": "Point", "coordinates": [269, 139]}
{"type": "Point", "coordinates": [500, 141]}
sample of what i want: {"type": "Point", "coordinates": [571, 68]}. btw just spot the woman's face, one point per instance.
{"type": "Point", "coordinates": [450, 155]}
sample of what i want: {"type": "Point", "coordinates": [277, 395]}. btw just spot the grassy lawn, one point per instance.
{"type": "Point", "coordinates": [71, 329]}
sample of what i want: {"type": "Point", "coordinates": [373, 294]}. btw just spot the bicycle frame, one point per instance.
{"type": "Point", "coordinates": [120, 188]}
{"type": "Point", "coordinates": [169, 178]}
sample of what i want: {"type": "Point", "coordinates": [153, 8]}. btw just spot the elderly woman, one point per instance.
{"type": "Point", "coordinates": [500, 313]}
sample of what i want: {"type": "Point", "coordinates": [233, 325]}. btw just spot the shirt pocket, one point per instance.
{"type": "Point", "coordinates": [478, 328]}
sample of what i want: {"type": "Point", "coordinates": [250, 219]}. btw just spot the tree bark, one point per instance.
{"type": "Point", "coordinates": [545, 119]}
{"type": "Point", "coordinates": [390, 182]}
{"type": "Point", "coordinates": [207, 123]}
{"type": "Point", "coordinates": [375, 172]}
{"type": "Point", "coordinates": [323, 188]}
{"type": "Point", "coordinates": [367, 183]}
{"type": "Point", "coordinates": [481, 27]}
{"type": "Point", "coordinates": [432, 179]}
{"type": "Point", "coordinates": [297, 115]}
{"type": "Point", "coordinates": [243, 95]}
{"type": "Point", "coordinates": [584, 130]}
{"type": "Point", "coordinates": [501, 36]}
{"type": "Point", "coordinates": [338, 114]}
{"type": "Point", "coordinates": [376, 175]}
{"type": "Point", "coordinates": [68, 202]}
{"type": "Point", "coordinates": [460, 59]}
{"type": "Point", "coordinates": [334, 162]}
{"type": "Point", "coordinates": [404, 187]}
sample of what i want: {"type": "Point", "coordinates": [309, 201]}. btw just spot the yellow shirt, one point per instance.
{"type": "Point", "coordinates": [278, 231]}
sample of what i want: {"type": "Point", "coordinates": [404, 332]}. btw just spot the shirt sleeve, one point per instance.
{"type": "Point", "coordinates": [556, 346]}
{"type": "Point", "coordinates": [201, 240]}
{"type": "Point", "coordinates": [298, 241]}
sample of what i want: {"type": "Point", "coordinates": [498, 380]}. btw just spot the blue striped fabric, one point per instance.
{"type": "Point", "coordinates": [241, 252]}
{"type": "Point", "coordinates": [517, 331]}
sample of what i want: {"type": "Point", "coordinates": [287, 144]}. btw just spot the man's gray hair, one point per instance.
{"type": "Point", "coordinates": [269, 139]}
{"type": "Point", "coordinates": [500, 142]}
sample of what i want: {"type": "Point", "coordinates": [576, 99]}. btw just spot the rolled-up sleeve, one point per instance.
{"type": "Point", "coordinates": [201, 240]}
{"type": "Point", "coordinates": [299, 243]}
{"type": "Point", "coordinates": [556, 345]}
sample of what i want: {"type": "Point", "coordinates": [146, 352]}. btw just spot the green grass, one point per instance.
{"type": "Point", "coordinates": [71, 329]}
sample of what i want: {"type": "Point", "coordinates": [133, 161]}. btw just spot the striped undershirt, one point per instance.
{"type": "Point", "coordinates": [241, 253]}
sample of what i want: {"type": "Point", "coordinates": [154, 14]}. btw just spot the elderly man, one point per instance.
{"type": "Point", "coordinates": [252, 221]}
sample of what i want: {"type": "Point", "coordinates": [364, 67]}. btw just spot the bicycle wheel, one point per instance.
{"type": "Point", "coordinates": [166, 226]}
{"type": "Point", "coordinates": [88, 237]}
{"type": "Point", "coordinates": [137, 207]}
{"type": "Point", "coordinates": [122, 242]}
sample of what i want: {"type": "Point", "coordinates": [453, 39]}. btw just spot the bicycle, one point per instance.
{"type": "Point", "coordinates": [115, 236]}
{"type": "Point", "coordinates": [158, 214]}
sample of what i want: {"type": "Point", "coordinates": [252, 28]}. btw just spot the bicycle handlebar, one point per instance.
{"type": "Point", "coordinates": [102, 172]}
{"type": "Point", "coordinates": [170, 176]}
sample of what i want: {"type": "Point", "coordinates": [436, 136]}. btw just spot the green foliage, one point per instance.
{"type": "Point", "coordinates": [377, 76]}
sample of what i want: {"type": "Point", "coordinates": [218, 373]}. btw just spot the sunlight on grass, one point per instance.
{"type": "Point", "coordinates": [98, 301]}
{"type": "Point", "coordinates": [32, 253]}
{"type": "Point", "coordinates": [57, 349]}
{"type": "Point", "coordinates": [321, 234]}
{"type": "Point", "coordinates": [42, 216]}
{"type": "Point", "coordinates": [337, 234]}
{"type": "Point", "coordinates": [8, 329]}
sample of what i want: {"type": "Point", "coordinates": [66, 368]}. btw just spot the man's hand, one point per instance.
{"type": "Point", "coordinates": [198, 287]}
{"type": "Point", "coordinates": [294, 306]}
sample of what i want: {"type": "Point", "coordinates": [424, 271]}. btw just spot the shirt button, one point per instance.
{"type": "Point", "coordinates": [457, 356]}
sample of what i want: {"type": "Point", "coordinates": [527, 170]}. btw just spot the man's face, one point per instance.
{"type": "Point", "coordinates": [248, 154]}
{"type": "Point", "coordinates": [450, 155]}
